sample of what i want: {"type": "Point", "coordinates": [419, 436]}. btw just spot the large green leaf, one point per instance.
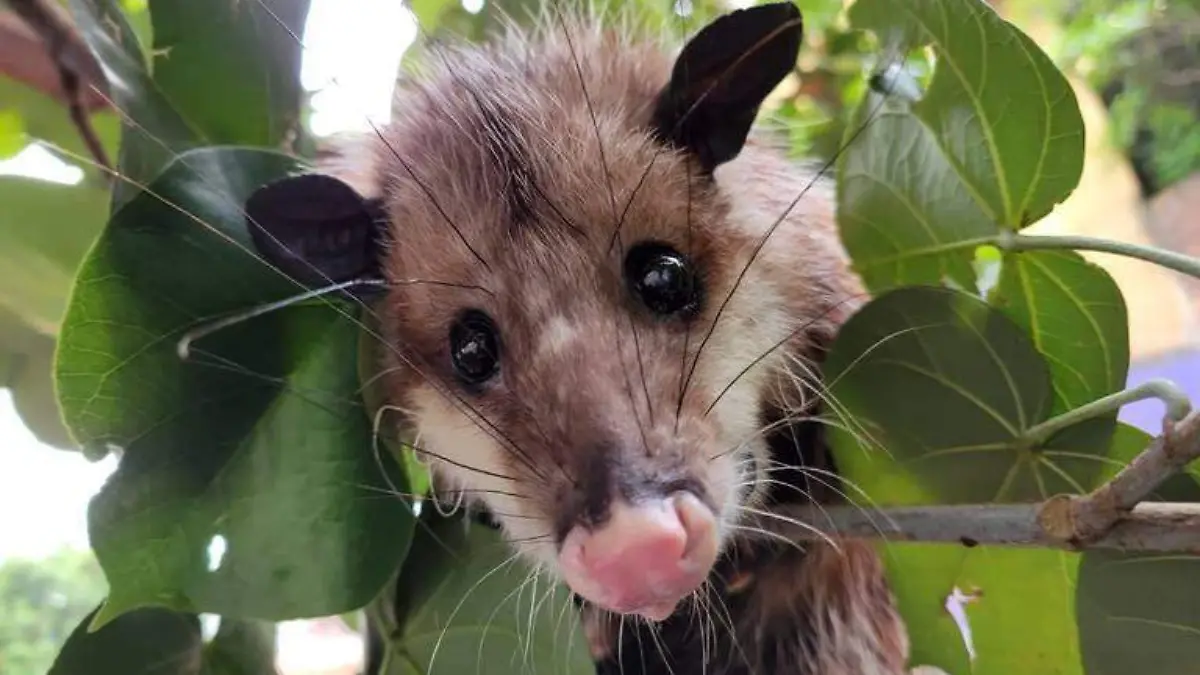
{"type": "Point", "coordinates": [947, 386]}
{"type": "Point", "coordinates": [942, 388]}
{"type": "Point", "coordinates": [1018, 607]}
{"type": "Point", "coordinates": [995, 143]}
{"type": "Point", "coordinates": [231, 68]}
{"type": "Point", "coordinates": [1004, 116]}
{"type": "Point", "coordinates": [466, 605]}
{"type": "Point", "coordinates": [260, 438]}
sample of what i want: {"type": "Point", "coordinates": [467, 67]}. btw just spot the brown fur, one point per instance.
{"type": "Point", "coordinates": [501, 143]}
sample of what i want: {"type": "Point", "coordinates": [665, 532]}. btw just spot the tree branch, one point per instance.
{"type": "Point", "coordinates": [77, 80]}
{"type": "Point", "coordinates": [1152, 527]}
{"type": "Point", "coordinates": [1111, 517]}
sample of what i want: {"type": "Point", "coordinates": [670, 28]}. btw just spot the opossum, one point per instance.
{"type": "Point", "coordinates": [614, 350]}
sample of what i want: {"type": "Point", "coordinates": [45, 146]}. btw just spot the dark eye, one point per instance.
{"type": "Point", "coordinates": [474, 347]}
{"type": "Point", "coordinates": [662, 278]}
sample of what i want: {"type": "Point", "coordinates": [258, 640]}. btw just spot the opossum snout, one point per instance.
{"type": "Point", "coordinates": [645, 557]}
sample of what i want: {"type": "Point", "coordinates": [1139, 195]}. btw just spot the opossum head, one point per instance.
{"type": "Point", "coordinates": [596, 284]}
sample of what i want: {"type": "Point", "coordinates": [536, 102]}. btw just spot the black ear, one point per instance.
{"type": "Point", "coordinates": [721, 78]}
{"type": "Point", "coordinates": [316, 229]}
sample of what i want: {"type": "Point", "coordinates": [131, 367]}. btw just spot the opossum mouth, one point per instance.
{"type": "Point", "coordinates": [645, 559]}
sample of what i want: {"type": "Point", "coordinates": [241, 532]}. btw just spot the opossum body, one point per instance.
{"type": "Point", "coordinates": [560, 216]}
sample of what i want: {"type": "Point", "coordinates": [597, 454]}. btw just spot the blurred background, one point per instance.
{"type": "Point", "coordinates": [1135, 66]}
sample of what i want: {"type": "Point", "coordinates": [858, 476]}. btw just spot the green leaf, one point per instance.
{"type": "Point", "coordinates": [1003, 115]}
{"type": "Point", "coordinates": [1075, 314]}
{"type": "Point", "coordinates": [232, 69]}
{"type": "Point", "coordinates": [45, 231]}
{"type": "Point", "coordinates": [1016, 597]}
{"type": "Point", "coordinates": [27, 370]}
{"type": "Point", "coordinates": [1140, 612]}
{"type": "Point", "coordinates": [429, 12]}
{"type": "Point", "coordinates": [904, 213]}
{"type": "Point", "coordinates": [157, 132]}
{"type": "Point", "coordinates": [259, 438]}
{"type": "Point", "coordinates": [466, 605]}
{"type": "Point", "coordinates": [994, 144]}
{"type": "Point", "coordinates": [12, 131]}
{"type": "Point", "coordinates": [947, 386]}
{"type": "Point", "coordinates": [145, 642]}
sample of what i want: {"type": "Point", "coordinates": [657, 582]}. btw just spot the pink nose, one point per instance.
{"type": "Point", "coordinates": [645, 558]}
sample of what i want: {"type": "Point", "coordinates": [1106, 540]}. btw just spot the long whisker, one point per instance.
{"type": "Point", "coordinates": [762, 242]}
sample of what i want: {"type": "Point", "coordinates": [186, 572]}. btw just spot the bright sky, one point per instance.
{"type": "Point", "coordinates": [352, 50]}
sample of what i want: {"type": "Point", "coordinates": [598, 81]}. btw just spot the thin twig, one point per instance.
{"type": "Point", "coordinates": [77, 67]}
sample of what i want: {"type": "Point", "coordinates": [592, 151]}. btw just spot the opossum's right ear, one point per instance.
{"type": "Point", "coordinates": [317, 229]}
{"type": "Point", "coordinates": [722, 77]}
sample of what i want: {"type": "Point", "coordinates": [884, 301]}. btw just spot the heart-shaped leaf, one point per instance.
{"type": "Point", "coordinates": [947, 386]}
{"type": "Point", "coordinates": [1004, 116]}
{"type": "Point", "coordinates": [467, 605]}
{"type": "Point", "coordinates": [258, 444]}
{"type": "Point", "coordinates": [994, 144]}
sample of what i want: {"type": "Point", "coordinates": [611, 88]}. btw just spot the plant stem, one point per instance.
{"type": "Point", "coordinates": [1011, 241]}
{"type": "Point", "coordinates": [1176, 400]}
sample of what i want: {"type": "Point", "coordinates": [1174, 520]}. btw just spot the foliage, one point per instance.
{"type": "Point", "coordinates": [247, 486]}
{"type": "Point", "coordinates": [42, 602]}
{"type": "Point", "coordinates": [1143, 56]}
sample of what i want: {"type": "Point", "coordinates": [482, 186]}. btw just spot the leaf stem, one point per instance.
{"type": "Point", "coordinates": [1176, 400]}
{"type": "Point", "coordinates": [1012, 241]}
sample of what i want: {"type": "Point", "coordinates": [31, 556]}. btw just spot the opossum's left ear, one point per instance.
{"type": "Point", "coordinates": [317, 229]}
{"type": "Point", "coordinates": [722, 77]}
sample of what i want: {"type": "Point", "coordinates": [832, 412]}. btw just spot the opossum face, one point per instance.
{"type": "Point", "coordinates": [565, 221]}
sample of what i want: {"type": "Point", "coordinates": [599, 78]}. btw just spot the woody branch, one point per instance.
{"type": "Point", "coordinates": [1110, 517]}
